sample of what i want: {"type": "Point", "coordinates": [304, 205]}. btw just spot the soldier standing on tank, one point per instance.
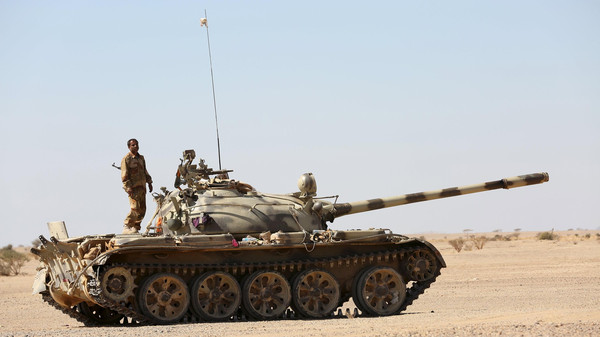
{"type": "Point", "coordinates": [135, 177]}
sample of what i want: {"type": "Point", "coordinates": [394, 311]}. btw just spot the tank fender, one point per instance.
{"type": "Point", "coordinates": [437, 252]}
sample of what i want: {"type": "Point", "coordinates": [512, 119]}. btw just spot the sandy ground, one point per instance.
{"type": "Point", "coordinates": [523, 287]}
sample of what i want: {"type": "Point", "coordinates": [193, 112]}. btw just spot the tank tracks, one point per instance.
{"type": "Point", "coordinates": [132, 316]}
{"type": "Point", "coordinates": [72, 312]}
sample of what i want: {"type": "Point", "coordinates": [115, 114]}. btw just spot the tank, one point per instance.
{"type": "Point", "coordinates": [216, 249]}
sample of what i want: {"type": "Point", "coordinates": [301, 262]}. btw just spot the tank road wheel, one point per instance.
{"type": "Point", "coordinates": [379, 291]}
{"type": "Point", "coordinates": [216, 296]}
{"type": "Point", "coordinates": [421, 265]}
{"type": "Point", "coordinates": [100, 315]}
{"type": "Point", "coordinates": [164, 298]}
{"type": "Point", "coordinates": [117, 284]}
{"type": "Point", "coordinates": [266, 294]}
{"type": "Point", "coordinates": [316, 293]}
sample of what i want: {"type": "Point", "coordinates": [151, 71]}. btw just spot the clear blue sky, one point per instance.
{"type": "Point", "coordinates": [376, 99]}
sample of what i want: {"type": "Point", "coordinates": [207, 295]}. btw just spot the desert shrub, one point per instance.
{"type": "Point", "coordinates": [507, 237]}
{"type": "Point", "coordinates": [36, 243]}
{"type": "Point", "coordinates": [479, 241]}
{"type": "Point", "coordinates": [547, 236]}
{"type": "Point", "coordinates": [457, 244]}
{"type": "Point", "coordinates": [499, 237]}
{"type": "Point", "coordinates": [11, 261]}
{"type": "Point", "coordinates": [468, 246]}
{"type": "Point", "coordinates": [588, 235]}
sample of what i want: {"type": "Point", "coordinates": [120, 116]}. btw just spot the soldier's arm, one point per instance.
{"type": "Point", "coordinates": [125, 175]}
{"type": "Point", "coordinates": [148, 177]}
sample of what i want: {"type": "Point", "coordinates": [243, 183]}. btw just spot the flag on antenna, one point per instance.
{"type": "Point", "coordinates": [203, 22]}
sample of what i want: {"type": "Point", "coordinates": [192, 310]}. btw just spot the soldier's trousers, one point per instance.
{"type": "Point", "coordinates": [137, 201]}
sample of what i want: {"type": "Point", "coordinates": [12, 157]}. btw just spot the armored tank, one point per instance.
{"type": "Point", "coordinates": [216, 249]}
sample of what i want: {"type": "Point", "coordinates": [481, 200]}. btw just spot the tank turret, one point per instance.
{"type": "Point", "coordinates": [212, 203]}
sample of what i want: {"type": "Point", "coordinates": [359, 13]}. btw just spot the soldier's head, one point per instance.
{"type": "Point", "coordinates": [133, 145]}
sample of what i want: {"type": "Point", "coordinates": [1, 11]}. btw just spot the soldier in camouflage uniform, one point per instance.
{"type": "Point", "coordinates": [135, 177]}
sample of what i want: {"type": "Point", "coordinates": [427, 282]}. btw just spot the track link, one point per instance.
{"type": "Point", "coordinates": [72, 312]}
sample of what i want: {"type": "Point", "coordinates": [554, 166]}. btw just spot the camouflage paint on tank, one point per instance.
{"type": "Point", "coordinates": [373, 204]}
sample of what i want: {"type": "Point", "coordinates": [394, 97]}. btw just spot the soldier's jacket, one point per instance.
{"type": "Point", "coordinates": [133, 171]}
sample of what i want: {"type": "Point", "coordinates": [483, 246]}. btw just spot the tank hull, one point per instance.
{"type": "Point", "coordinates": [308, 279]}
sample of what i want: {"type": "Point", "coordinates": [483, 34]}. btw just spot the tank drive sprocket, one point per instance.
{"type": "Point", "coordinates": [421, 265]}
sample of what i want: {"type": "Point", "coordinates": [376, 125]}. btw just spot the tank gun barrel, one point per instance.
{"type": "Point", "coordinates": [338, 210]}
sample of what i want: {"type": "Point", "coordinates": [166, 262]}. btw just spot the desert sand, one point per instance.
{"type": "Point", "coordinates": [523, 287]}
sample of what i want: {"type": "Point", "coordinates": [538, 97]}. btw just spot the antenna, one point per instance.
{"type": "Point", "coordinates": [204, 22]}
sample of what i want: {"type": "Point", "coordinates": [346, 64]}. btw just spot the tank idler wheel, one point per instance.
{"type": "Point", "coordinates": [164, 298]}
{"type": "Point", "coordinates": [266, 294]}
{"type": "Point", "coordinates": [98, 314]}
{"type": "Point", "coordinates": [421, 265]}
{"type": "Point", "coordinates": [117, 284]}
{"type": "Point", "coordinates": [316, 293]}
{"type": "Point", "coordinates": [216, 296]}
{"type": "Point", "coordinates": [379, 291]}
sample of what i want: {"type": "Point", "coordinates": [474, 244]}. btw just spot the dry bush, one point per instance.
{"type": "Point", "coordinates": [510, 237]}
{"type": "Point", "coordinates": [479, 241]}
{"type": "Point", "coordinates": [457, 244]}
{"type": "Point", "coordinates": [468, 246]}
{"type": "Point", "coordinates": [36, 243]}
{"type": "Point", "coordinates": [499, 237]}
{"type": "Point", "coordinates": [547, 236]}
{"type": "Point", "coordinates": [11, 261]}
